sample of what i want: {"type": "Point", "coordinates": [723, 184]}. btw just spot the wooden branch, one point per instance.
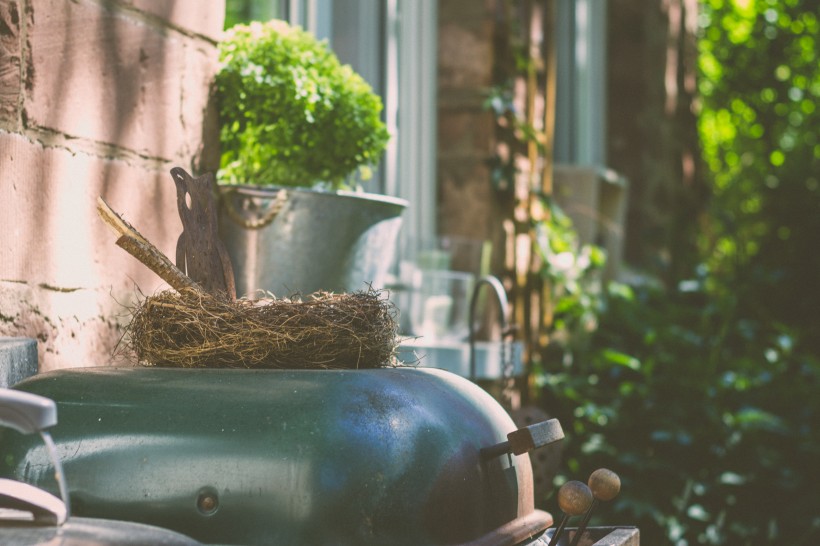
{"type": "Point", "coordinates": [141, 248]}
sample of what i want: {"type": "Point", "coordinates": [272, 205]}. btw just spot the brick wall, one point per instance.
{"type": "Point", "coordinates": [465, 128]}
{"type": "Point", "coordinates": [652, 131]}
{"type": "Point", "coordinates": [96, 98]}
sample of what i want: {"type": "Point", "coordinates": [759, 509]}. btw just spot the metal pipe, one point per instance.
{"type": "Point", "coordinates": [503, 305]}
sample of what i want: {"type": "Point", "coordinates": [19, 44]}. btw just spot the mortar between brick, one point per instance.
{"type": "Point", "coordinates": [57, 140]}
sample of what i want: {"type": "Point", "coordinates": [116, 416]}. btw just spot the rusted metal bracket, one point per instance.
{"type": "Point", "coordinates": [200, 253]}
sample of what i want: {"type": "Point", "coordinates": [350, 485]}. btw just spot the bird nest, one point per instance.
{"type": "Point", "coordinates": [192, 329]}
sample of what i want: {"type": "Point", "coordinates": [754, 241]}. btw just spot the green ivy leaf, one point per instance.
{"type": "Point", "coordinates": [621, 359]}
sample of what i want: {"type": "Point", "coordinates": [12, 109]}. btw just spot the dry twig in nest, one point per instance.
{"type": "Point", "coordinates": [193, 329]}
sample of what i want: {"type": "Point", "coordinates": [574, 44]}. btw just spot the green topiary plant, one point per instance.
{"type": "Point", "coordinates": [291, 114]}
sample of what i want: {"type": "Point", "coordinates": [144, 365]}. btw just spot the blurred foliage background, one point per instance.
{"type": "Point", "coordinates": [698, 382]}
{"type": "Point", "coordinates": [702, 392]}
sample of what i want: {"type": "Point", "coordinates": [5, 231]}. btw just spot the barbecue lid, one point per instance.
{"type": "Point", "coordinates": [389, 456]}
{"type": "Point", "coordinates": [90, 532]}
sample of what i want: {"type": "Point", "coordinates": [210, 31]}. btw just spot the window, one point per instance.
{"type": "Point", "coordinates": [580, 124]}
{"type": "Point", "coordinates": [392, 44]}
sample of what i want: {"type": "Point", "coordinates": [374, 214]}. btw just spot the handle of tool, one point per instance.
{"type": "Point", "coordinates": [25, 412]}
{"type": "Point", "coordinates": [583, 525]}
{"type": "Point", "coordinates": [560, 529]}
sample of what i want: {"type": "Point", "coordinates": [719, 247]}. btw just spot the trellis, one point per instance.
{"type": "Point", "coordinates": [524, 103]}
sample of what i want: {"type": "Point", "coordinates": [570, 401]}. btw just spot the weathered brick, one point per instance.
{"type": "Point", "coordinates": [104, 75]}
{"type": "Point", "coordinates": [63, 280]}
{"type": "Point", "coordinates": [465, 132]}
{"type": "Point", "coordinates": [10, 60]}
{"type": "Point", "coordinates": [466, 11]}
{"type": "Point", "coordinates": [198, 116]}
{"type": "Point", "coordinates": [464, 196]}
{"type": "Point", "coordinates": [73, 329]}
{"type": "Point", "coordinates": [468, 62]}
{"type": "Point", "coordinates": [51, 233]}
{"type": "Point", "coordinates": [204, 18]}
{"type": "Point", "coordinates": [100, 81]}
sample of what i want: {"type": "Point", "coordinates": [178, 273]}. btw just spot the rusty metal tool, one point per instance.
{"type": "Point", "coordinates": [605, 486]}
{"type": "Point", "coordinates": [574, 498]}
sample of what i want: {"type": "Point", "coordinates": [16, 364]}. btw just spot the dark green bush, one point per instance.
{"type": "Point", "coordinates": [708, 417]}
{"type": "Point", "coordinates": [705, 397]}
{"type": "Point", "coordinates": [291, 113]}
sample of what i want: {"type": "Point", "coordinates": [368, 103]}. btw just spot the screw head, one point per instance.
{"type": "Point", "coordinates": [605, 484]}
{"type": "Point", "coordinates": [207, 501]}
{"type": "Point", "coordinates": [574, 498]}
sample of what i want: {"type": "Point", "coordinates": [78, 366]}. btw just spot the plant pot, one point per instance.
{"type": "Point", "coordinates": [294, 240]}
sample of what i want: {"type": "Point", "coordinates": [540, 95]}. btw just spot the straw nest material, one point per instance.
{"type": "Point", "coordinates": [197, 330]}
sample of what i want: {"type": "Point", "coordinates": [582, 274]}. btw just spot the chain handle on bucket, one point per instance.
{"type": "Point", "coordinates": [255, 222]}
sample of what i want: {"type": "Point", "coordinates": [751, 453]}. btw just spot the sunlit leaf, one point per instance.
{"type": "Point", "coordinates": [621, 359]}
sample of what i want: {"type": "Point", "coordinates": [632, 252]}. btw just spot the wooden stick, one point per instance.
{"type": "Point", "coordinates": [141, 248]}
{"type": "Point", "coordinates": [550, 64]}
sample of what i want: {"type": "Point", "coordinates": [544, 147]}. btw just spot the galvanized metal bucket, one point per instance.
{"type": "Point", "coordinates": [294, 240]}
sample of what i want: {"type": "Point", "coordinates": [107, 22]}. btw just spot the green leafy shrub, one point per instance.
{"type": "Point", "coordinates": [707, 415]}
{"type": "Point", "coordinates": [573, 273]}
{"type": "Point", "coordinates": [704, 396]}
{"type": "Point", "coordinates": [291, 113]}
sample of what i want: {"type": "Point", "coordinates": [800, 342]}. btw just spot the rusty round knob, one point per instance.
{"type": "Point", "coordinates": [207, 501]}
{"type": "Point", "coordinates": [605, 484]}
{"type": "Point", "coordinates": [574, 498]}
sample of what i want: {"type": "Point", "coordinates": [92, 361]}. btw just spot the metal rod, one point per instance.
{"type": "Point", "coordinates": [559, 530]}
{"type": "Point", "coordinates": [503, 304]}
{"type": "Point", "coordinates": [583, 525]}
{"type": "Point", "coordinates": [495, 450]}
{"type": "Point", "coordinates": [574, 498]}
